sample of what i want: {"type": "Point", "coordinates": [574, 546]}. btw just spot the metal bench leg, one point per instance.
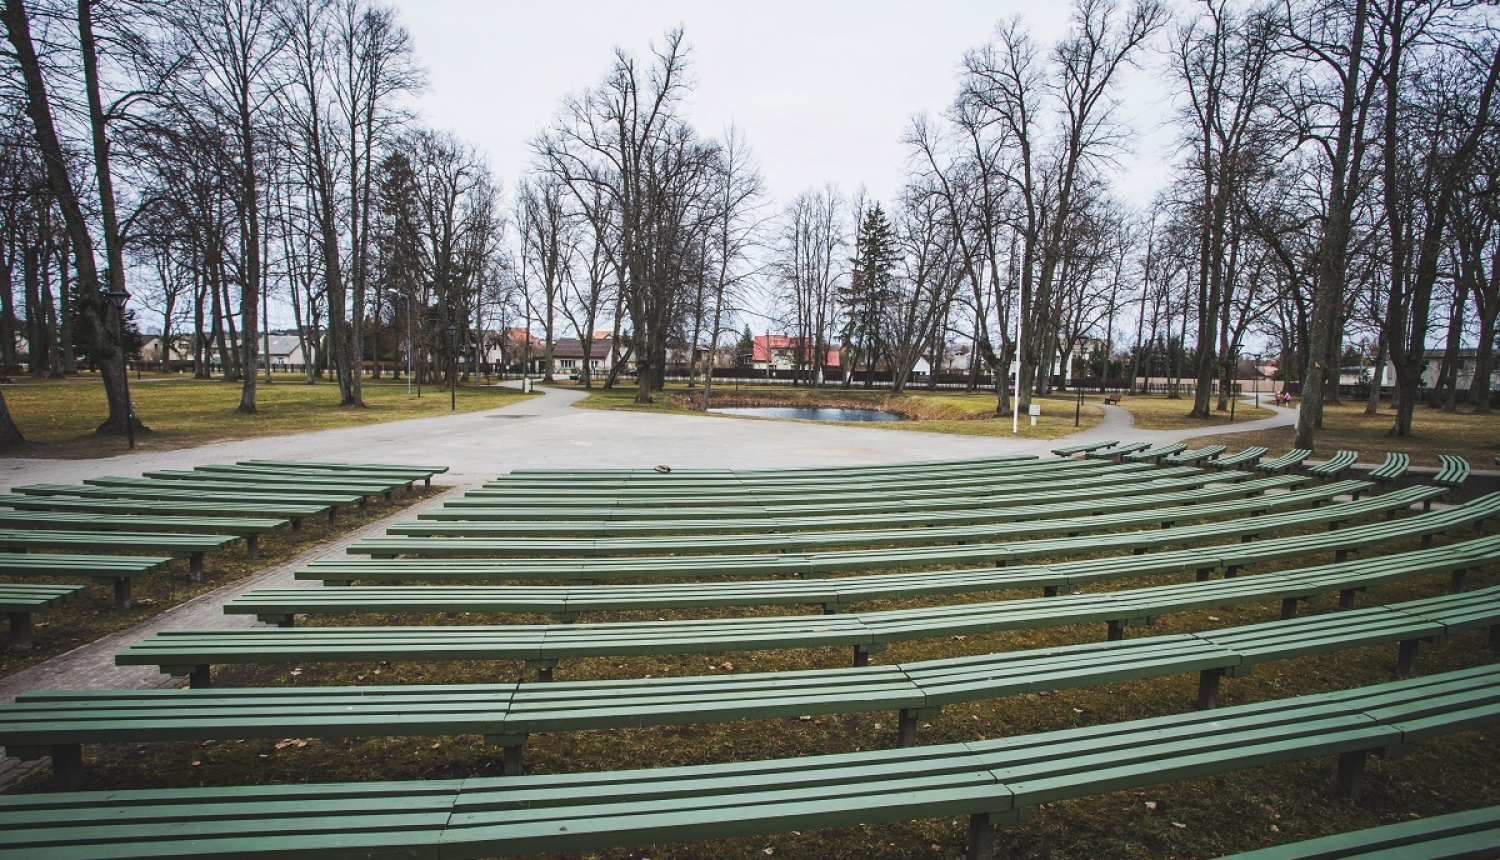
{"type": "Point", "coordinates": [513, 758]}
{"type": "Point", "coordinates": [122, 592]}
{"type": "Point", "coordinates": [296, 525]}
{"type": "Point", "coordinates": [1049, 591]}
{"type": "Point", "coordinates": [67, 765]}
{"type": "Point", "coordinates": [1495, 637]}
{"type": "Point", "coordinates": [333, 515]}
{"type": "Point", "coordinates": [201, 678]}
{"type": "Point", "coordinates": [981, 837]}
{"type": "Point", "coordinates": [1456, 583]}
{"type": "Point", "coordinates": [906, 728]}
{"type": "Point", "coordinates": [861, 656]}
{"type": "Point", "coordinates": [1208, 689]}
{"type": "Point", "coordinates": [1288, 608]}
{"type": "Point", "coordinates": [1201, 574]}
{"type": "Point", "coordinates": [1406, 657]}
{"type": "Point", "coordinates": [252, 546]}
{"type": "Point", "coordinates": [1116, 631]}
{"type": "Point", "coordinates": [1346, 598]}
{"type": "Point", "coordinates": [1352, 773]}
{"type": "Point", "coordinates": [543, 668]}
{"type": "Point", "coordinates": [20, 631]}
{"type": "Point", "coordinates": [195, 567]}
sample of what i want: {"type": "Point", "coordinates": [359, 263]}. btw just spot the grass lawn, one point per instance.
{"type": "Point", "coordinates": [926, 412]}
{"type": "Point", "coordinates": [1476, 438]}
{"type": "Point", "coordinates": [58, 417]}
{"type": "Point", "coordinates": [1158, 412]}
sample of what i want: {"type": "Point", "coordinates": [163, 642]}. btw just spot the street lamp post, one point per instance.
{"type": "Point", "coordinates": [118, 298]}
{"type": "Point", "coordinates": [408, 338]}
{"type": "Point", "coordinates": [453, 377]}
{"type": "Point", "coordinates": [1234, 379]}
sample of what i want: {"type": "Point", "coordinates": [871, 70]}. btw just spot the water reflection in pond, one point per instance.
{"type": "Point", "coordinates": [806, 414]}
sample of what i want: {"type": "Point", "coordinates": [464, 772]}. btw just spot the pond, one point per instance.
{"type": "Point", "coordinates": [803, 413]}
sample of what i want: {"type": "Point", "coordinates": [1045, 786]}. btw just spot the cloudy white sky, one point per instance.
{"type": "Point", "coordinates": [822, 89]}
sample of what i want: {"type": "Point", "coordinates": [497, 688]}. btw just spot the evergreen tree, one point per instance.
{"type": "Point", "coordinates": [746, 346]}
{"type": "Point", "coordinates": [869, 293]}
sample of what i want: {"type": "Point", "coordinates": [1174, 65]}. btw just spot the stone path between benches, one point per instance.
{"type": "Point", "coordinates": [542, 432]}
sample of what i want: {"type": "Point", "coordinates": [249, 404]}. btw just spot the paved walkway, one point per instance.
{"type": "Point", "coordinates": [541, 432]}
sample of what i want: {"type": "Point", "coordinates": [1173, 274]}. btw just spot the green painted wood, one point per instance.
{"type": "Point", "coordinates": [1083, 448]}
{"type": "Point", "coordinates": [1286, 461]}
{"type": "Point", "coordinates": [591, 811]}
{"type": "Point", "coordinates": [1393, 467]}
{"type": "Point", "coordinates": [1453, 471]}
{"type": "Point", "coordinates": [140, 523]}
{"type": "Point", "coordinates": [1459, 836]}
{"type": "Point", "coordinates": [1247, 457]}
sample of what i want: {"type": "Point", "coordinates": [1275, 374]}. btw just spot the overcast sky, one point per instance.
{"type": "Point", "coordinates": [822, 89]}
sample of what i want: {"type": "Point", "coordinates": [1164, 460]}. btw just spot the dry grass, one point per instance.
{"type": "Point", "coordinates": [1158, 412]}
{"type": "Point", "coordinates": [58, 417]}
{"type": "Point", "coordinates": [1473, 437]}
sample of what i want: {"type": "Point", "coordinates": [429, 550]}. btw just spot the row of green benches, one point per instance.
{"type": "Point", "coordinates": [852, 480]}
{"type": "Point", "coordinates": [433, 523]}
{"type": "Point", "coordinates": [1052, 478]}
{"type": "Point", "coordinates": [447, 539]}
{"type": "Point", "coordinates": [994, 782]}
{"type": "Point", "coordinates": [194, 652]}
{"type": "Point", "coordinates": [1113, 485]}
{"type": "Point", "coordinates": [435, 563]}
{"type": "Point", "coordinates": [1453, 470]}
{"type": "Point", "coordinates": [57, 722]}
{"type": "Point", "coordinates": [67, 528]}
{"type": "Point", "coordinates": [279, 606]}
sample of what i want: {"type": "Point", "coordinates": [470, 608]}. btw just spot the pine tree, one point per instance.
{"type": "Point", "coordinates": [869, 292]}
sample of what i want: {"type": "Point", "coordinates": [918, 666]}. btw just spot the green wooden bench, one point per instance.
{"type": "Point", "coordinates": [1390, 469]}
{"type": "Point", "coordinates": [18, 600]}
{"type": "Point", "coordinates": [56, 722]}
{"type": "Point", "coordinates": [1193, 457]}
{"type": "Point", "coordinates": [193, 652]}
{"type": "Point", "coordinates": [249, 528]}
{"type": "Point", "coordinates": [1452, 472]}
{"type": "Point", "coordinates": [541, 508]}
{"type": "Point", "coordinates": [738, 554]}
{"type": "Point", "coordinates": [1083, 448]}
{"type": "Point", "coordinates": [271, 474]}
{"type": "Point", "coordinates": [1285, 462]}
{"type": "Point", "coordinates": [656, 482]}
{"type": "Point", "coordinates": [1248, 457]}
{"type": "Point", "coordinates": [140, 498]}
{"type": "Point", "coordinates": [234, 482]}
{"type": "Point", "coordinates": [965, 466]}
{"type": "Point", "coordinates": [425, 473]}
{"type": "Point", "coordinates": [1040, 476]}
{"type": "Point", "coordinates": [430, 524]}
{"type": "Point", "coordinates": [1334, 467]}
{"type": "Point", "coordinates": [1155, 455]}
{"type": "Point", "coordinates": [294, 514]}
{"type": "Point", "coordinates": [117, 570]}
{"type": "Point", "coordinates": [994, 782]}
{"type": "Point", "coordinates": [345, 496]}
{"type": "Point", "coordinates": [190, 546]}
{"type": "Point", "coordinates": [1119, 451]}
{"type": "Point", "coordinates": [1458, 836]}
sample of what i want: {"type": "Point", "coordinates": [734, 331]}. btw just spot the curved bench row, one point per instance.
{"type": "Point", "coordinates": [193, 652]}
{"type": "Point", "coordinates": [994, 782]}
{"type": "Point", "coordinates": [57, 722]}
